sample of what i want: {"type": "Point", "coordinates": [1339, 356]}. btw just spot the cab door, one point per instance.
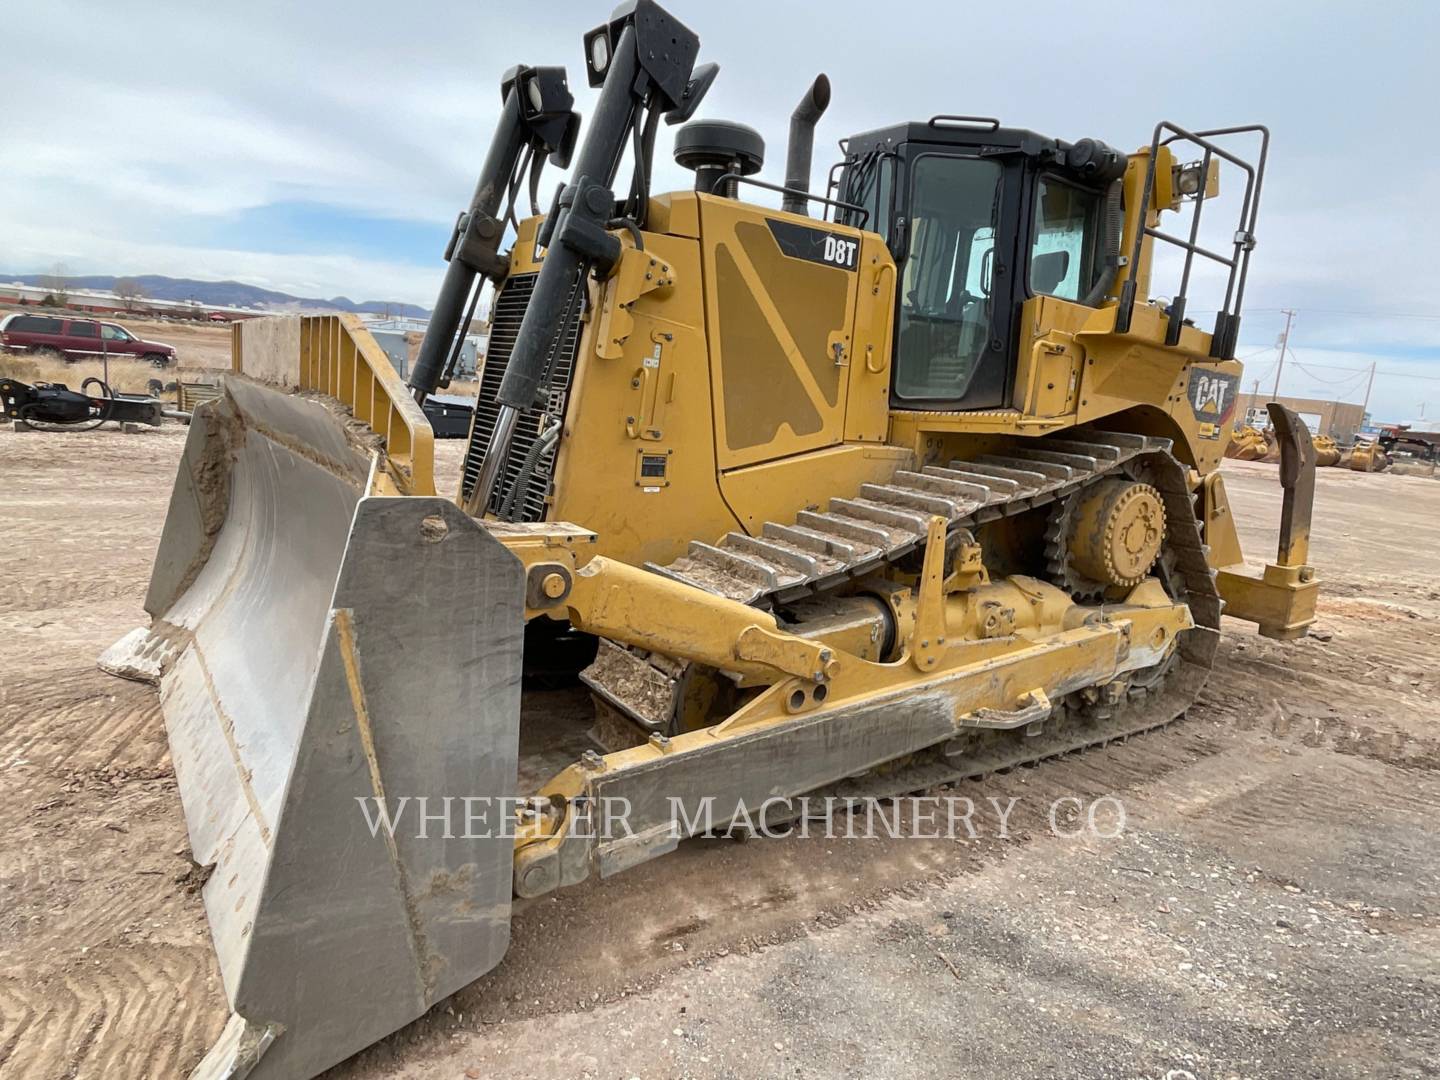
{"type": "Point", "coordinates": [957, 292]}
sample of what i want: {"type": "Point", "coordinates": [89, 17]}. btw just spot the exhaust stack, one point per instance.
{"type": "Point", "coordinates": [802, 142]}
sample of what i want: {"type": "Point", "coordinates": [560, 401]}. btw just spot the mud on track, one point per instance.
{"type": "Point", "coordinates": [1271, 909]}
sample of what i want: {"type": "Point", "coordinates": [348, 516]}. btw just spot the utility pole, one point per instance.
{"type": "Point", "coordinates": [1284, 341]}
{"type": "Point", "coordinates": [1366, 407]}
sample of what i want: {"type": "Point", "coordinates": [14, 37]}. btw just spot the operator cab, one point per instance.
{"type": "Point", "coordinates": [979, 219]}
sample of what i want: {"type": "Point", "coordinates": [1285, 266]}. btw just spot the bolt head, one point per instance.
{"type": "Point", "coordinates": [553, 586]}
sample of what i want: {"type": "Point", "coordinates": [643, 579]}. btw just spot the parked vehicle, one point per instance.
{"type": "Point", "coordinates": [78, 338]}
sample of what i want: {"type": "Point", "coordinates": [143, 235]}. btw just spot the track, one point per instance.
{"type": "Point", "coordinates": [889, 522]}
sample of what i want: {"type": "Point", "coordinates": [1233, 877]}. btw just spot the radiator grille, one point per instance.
{"type": "Point", "coordinates": [510, 305]}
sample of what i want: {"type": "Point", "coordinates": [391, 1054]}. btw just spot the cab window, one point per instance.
{"type": "Point", "coordinates": [113, 333]}
{"type": "Point", "coordinates": [84, 329]}
{"type": "Point", "coordinates": [869, 182]}
{"type": "Point", "coordinates": [1067, 224]}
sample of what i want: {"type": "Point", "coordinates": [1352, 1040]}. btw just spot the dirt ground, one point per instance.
{"type": "Point", "coordinates": [1271, 908]}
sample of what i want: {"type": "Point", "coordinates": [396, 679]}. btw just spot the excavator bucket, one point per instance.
{"type": "Point", "coordinates": [326, 657]}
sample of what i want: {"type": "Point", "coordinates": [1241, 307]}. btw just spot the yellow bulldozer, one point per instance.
{"type": "Point", "coordinates": [897, 484]}
{"type": "Point", "coordinates": [1250, 444]}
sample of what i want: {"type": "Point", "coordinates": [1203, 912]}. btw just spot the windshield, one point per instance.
{"type": "Point", "coordinates": [945, 295]}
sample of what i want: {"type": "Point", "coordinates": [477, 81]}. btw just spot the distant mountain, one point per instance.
{"type": "Point", "coordinates": [225, 293]}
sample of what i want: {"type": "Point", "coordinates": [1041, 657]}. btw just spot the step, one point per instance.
{"type": "Point", "coordinates": [895, 518]}
{"type": "Point", "coordinates": [810, 540]}
{"type": "Point", "coordinates": [866, 535]}
{"type": "Point", "coordinates": [779, 554]}
{"type": "Point", "coordinates": [1049, 470]}
{"type": "Point", "coordinates": [966, 496]}
{"type": "Point", "coordinates": [910, 499]}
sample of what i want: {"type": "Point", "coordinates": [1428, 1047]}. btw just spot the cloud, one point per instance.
{"type": "Point", "coordinates": [310, 275]}
{"type": "Point", "coordinates": [136, 134]}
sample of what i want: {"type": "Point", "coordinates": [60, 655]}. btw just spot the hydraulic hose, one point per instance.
{"type": "Point", "coordinates": [543, 442]}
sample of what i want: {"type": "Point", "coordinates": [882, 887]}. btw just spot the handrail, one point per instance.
{"type": "Point", "coordinates": [338, 357]}
{"type": "Point", "coordinates": [1227, 319]}
{"type": "Point", "coordinates": [738, 179]}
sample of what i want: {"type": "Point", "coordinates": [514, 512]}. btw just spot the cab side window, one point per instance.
{"type": "Point", "coordinates": [113, 333]}
{"type": "Point", "coordinates": [1067, 225]}
{"type": "Point", "coordinates": [870, 183]}
{"type": "Point", "coordinates": [84, 329]}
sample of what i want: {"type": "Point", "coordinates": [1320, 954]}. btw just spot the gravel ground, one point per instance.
{"type": "Point", "coordinates": [1269, 908]}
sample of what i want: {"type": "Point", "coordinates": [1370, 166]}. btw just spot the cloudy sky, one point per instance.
{"type": "Point", "coordinates": [324, 148]}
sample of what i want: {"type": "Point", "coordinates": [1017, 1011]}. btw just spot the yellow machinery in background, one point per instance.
{"type": "Point", "coordinates": [1367, 457]}
{"type": "Point", "coordinates": [856, 503]}
{"type": "Point", "coordinates": [1327, 451]}
{"type": "Point", "coordinates": [1250, 444]}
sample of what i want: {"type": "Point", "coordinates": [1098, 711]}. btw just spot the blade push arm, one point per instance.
{"type": "Point", "coordinates": [642, 60]}
{"type": "Point", "coordinates": [536, 119]}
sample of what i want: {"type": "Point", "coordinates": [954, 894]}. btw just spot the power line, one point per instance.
{"type": "Point", "coordinates": [1361, 314]}
{"type": "Point", "coordinates": [1335, 311]}
{"type": "Point", "coordinates": [1378, 371]}
{"type": "Point", "coordinates": [1333, 382]}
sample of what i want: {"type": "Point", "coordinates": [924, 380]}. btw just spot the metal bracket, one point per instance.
{"type": "Point", "coordinates": [784, 652]}
{"type": "Point", "coordinates": [476, 243]}
{"type": "Point", "coordinates": [927, 641]}
{"type": "Point", "coordinates": [637, 273]}
{"type": "Point", "coordinates": [1031, 709]}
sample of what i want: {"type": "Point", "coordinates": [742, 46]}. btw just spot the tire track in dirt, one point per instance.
{"type": "Point", "coordinates": [609, 939]}
{"type": "Point", "coordinates": [38, 593]}
{"type": "Point", "coordinates": [80, 717]}
{"type": "Point", "coordinates": [121, 1013]}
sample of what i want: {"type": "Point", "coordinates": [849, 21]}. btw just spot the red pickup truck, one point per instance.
{"type": "Point", "coordinates": [78, 338]}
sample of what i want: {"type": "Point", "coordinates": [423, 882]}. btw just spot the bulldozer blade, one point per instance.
{"type": "Point", "coordinates": [326, 659]}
